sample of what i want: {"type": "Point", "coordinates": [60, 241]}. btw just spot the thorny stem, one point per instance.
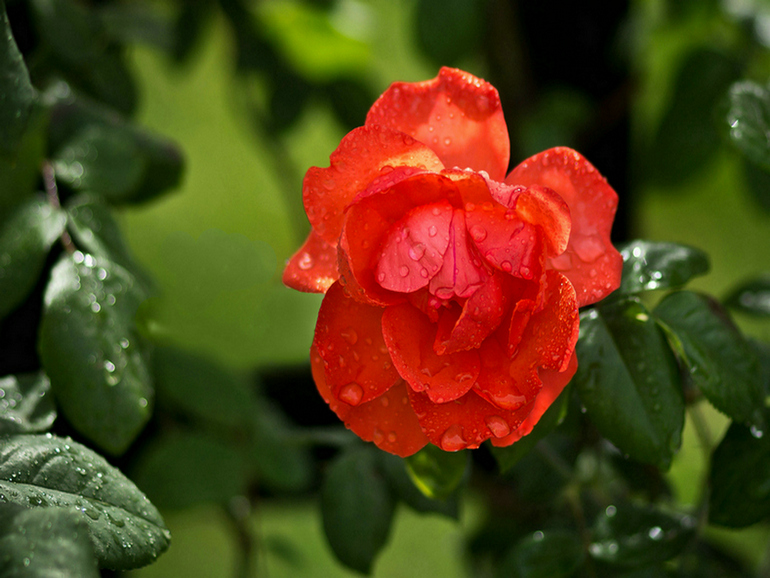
{"type": "Point", "coordinates": [52, 193]}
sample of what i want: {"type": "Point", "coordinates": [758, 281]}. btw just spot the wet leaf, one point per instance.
{"type": "Point", "coordinates": [97, 363]}
{"type": "Point", "coordinates": [20, 173]}
{"type": "Point", "coordinates": [48, 472]}
{"type": "Point", "coordinates": [509, 456]}
{"type": "Point", "coordinates": [401, 483]}
{"type": "Point", "coordinates": [80, 47]}
{"type": "Point", "coordinates": [45, 543]}
{"type": "Point", "coordinates": [179, 471]}
{"type": "Point", "coordinates": [26, 236]}
{"type": "Point", "coordinates": [649, 265]}
{"type": "Point", "coordinates": [549, 554]}
{"type": "Point", "coordinates": [720, 362]}
{"type": "Point", "coordinates": [747, 121]}
{"type": "Point", "coordinates": [752, 297]}
{"type": "Point", "coordinates": [17, 95]}
{"type": "Point", "coordinates": [25, 404]}
{"type": "Point", "coordinates": [740, 478]}
{"type": "Point", "coordinates": [435, 472]}
{"type": "Point", "coordinates": [635, 536]}
{"type": "Point", "coordinates": [628, 381]}
{"type": "Point", "coordinates": [357, 508]}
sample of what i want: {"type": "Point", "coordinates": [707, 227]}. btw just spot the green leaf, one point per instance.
{"type": "Point", "coordinates": [44, 543]}
{"type": "Point", "coordinates": [720, 362]}
{"type": "Point", "coordinates": [49, 472]}
{"type": "Point", "coordinates": [179, 471]}
{"type": "Point", "coordinates": [628, 381]}
{"type": "Point", "coordinates": [508, 457]}
{"type": "Point", "coordinates": [687, 138]}
{"type": "Point", "coordinates": [740, 478]}
{"type": "Point", "coordinates": [17, 95]}
{"type": "Point", "coordinates": [20, 174]}
{"type": "Point", "coordinates": [752, 297]}
{"type": "Point", "coordinates": [747, 121]}
{"type": "Point", "coordinates": [26, 237]}
{"type": "Point", "coordinates": [636, 536]}
{"type": "Point", "coordinates": [758, 184]}
{"type": "Point", "coordinates": [435, 472]}
{"type": "Point", "coordinates": [89, 348]}
{"type": "Point", "coordinates": [25, 404]}
{"type": "Point", "coordinates": [357, 508]}
{"type": "Point", "coordinates": [78, 44]}
{"type": "Point", "coordinates": [649, 265]}
{"type": "Point", "coordinates": [549, 554]}
{"type": "Point", "coordinates": [401, 483]}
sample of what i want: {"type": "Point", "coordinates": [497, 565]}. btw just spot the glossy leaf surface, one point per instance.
{"type": "Point", "coordinates": [649, 265]}
{"type": "Point", "coordinates": [25, 404]}
{"type": "Point", "coordinates": [435, 472]}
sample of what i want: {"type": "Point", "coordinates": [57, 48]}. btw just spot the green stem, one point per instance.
{"type": "Point", "coordinates": [52, 193]}
{"type": "Point", "coordinates": [239, 512]}
{"type": "Point", "coordinates": [706, 443]}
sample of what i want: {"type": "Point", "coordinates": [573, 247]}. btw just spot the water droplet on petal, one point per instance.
{"type": "Point", "coordinates": [384, 401]}
{"type": "Point", "coordinates": [453, 439]}
{"type": "Point", "coordinates": [350, 336]}
{"type": "Point", "coordinates": [498, 426]}
{"type": "Point", "coordinates": [305, 261]}
{"type": "Point", "coordinates": [432, 231]}
{"type": "Point", "coordinates": [403, 271]}
{"type": "Point", "coordinates": [392, 437]}
{"type": "Point", "coordinates": [351, 393]}
{"type": "Point", "coordinates": [416, 253]}
{"type": "Point", "coordinates": [506, 266]}
{"type": "Point", "coordinates": [381, 277]}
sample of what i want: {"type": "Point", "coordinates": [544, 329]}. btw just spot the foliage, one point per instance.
{"type": "Point", "coordinates": [86, 369]}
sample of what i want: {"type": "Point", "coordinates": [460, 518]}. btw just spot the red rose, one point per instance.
{"type": "Point", "coordinates": [452, 291]}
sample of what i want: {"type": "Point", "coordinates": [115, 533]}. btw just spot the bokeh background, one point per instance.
{"type": "Point", "coordinates": [255, 92]}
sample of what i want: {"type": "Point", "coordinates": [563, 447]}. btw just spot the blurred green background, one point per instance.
{"type": "Point", "coordinates": [616, 81]}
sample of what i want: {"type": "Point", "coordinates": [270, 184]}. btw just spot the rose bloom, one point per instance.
{"type": "Point", "coordinates": [450, 313]}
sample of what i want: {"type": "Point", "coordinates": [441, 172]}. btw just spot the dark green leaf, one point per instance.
{"type": "Point", "coordinates": [635, 536]}
{"type": "Point", "coordinates": [706, 561]}
{"type": "Point", "coordinates": [747, 121]}
{"type": "Point", "coordinates": [629, 382]}
{"type": "Point", "coordinates": [719, 359]}
{"type": "Point", "coordinates": [81, 48]}
{"type": "Point", "coordinates": [17, 95]}
{"type": "Point", "coordinates": [25, 404]}
{"type": "Point", "coordinates": [136, 23]}
{"type": "Point", "coordinates": [44, 543]}
{"type": "Point", "coordinates": [740, 478]}
{"type": "Point", "coordinates": [50, 472]}
{"type": "Point", "coordinates": [193, 16]}
{"type": "Point", "coordinates": [394, 469]}
{"type": "Point", "coordinates": [281, 463]}
{"type": "Point", "coordinates": [687, 138]}
{"type": "Point", "coordinates": [180, 471]}
{"type": "Point", "coordinates": [89, 348]}
{"type": "Point", "coordinates": [758, 184]}
{"type": "Point", "coordinates": [435, 472]}
{"type": "Point", "coordinates": [26, 237]}
{"type": "Point", "coordinates": [357, 508]}
{"type": "Point", "coordinates": [509, 456]}
{"type": "Point", "coordinates": [649, 265]}
{"type": "Point", "coordinates": [550, 554]}
{"type": "Point", "coordinates": [20, 174]}
{"type": "Point", "coordinates": [97, 151]}
{"type": "Point", "coordinates": [752, 297]}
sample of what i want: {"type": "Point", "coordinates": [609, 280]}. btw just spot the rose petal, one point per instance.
{"type": "Point", "coordinates": [388, 421]}
{"type": "Point", "coordinates": [414, 248]}
{"type": "Point", "coordinates": [456, 114]}
{"type": "Point", "coordinates": [543, 207]}
{"type": "Point", "coordinates": [358, 160]}
{"type": "Point", "coordinates": [590, 261]}
{"type": "Point", "coordinates": [348, 337]}
{"type": "Point", "coordinates": [368, 221]}
{"type": "Point", "coordinates": [465, 422]}
{"type": "Point", "coordinates": [547, 341]}
{"type": "Point", "coordinates": [409, 336]}
{"type": "Point", "coordinates": [553, 384]}
{"type": "Point", "coordinates": [461, 271]}
{"type": "Point", "coordinates": [314, 267]}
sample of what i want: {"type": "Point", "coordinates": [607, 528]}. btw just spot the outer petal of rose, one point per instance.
{"type": "Point", "coordinates": [590, 261]}
{"type": "Point", "coordinates": [480, 315]}
{"type": "Point", "coordinates": [313, 268]}
{"type": "Point", "coordinates": [465, 422]}
{"type": "Point", "coordinates": [461, 271]}
{"type": "Point", "coordinates": [388, 421]}
{"type": "Point", "coordinates": [458, 115]}
{"type": "Point", "coordinates": [553, 384]}
{"type": "Point", "coordinates": [348, 337]}
{"type": "Point", "coordinates": [409, 336]}
{"type": "Point", "coordinates": [359, 158]}
{"type": "Point", "coordinates": [369, 219]}
{"type": "Point", "coordinates": [547, 341]}
{"type": "Point", "coordinates": [413, 250]}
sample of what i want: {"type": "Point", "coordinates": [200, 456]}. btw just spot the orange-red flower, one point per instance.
{"type": "Point", "coordinates": [452, 290]}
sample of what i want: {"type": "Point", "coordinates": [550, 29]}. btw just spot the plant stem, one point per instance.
{"type": "Point", "coordinates": [52, 194]}
{"type": "Point", "coordinates": [706, 442]}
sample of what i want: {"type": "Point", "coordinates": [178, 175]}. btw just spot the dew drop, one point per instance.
{"type": "Point", "coordinates": [498, 426]}
{"type": "Point", "coordinates": [351, 393]}
{"type": "Point", "coordinates": [381, 277]}
{"type": "Point", "coordinates": [506, 266]}
{"type": "Point", "coordinates": [305, 261]}
{"type": "Point", "coordinates": [452, 440]}
{"type": "Point", "coordinates": [432, 231]}
{"type": "Point", "coordinates": [392, 437]}
{"type": "Point", "coordinates": [403, 271]}
{"type": "Point", "coordinates": [416, 253]}
{"type": "Point", "coordinates": [478, 233]}
{"type": "Point", "coordinates": [350, 336]}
